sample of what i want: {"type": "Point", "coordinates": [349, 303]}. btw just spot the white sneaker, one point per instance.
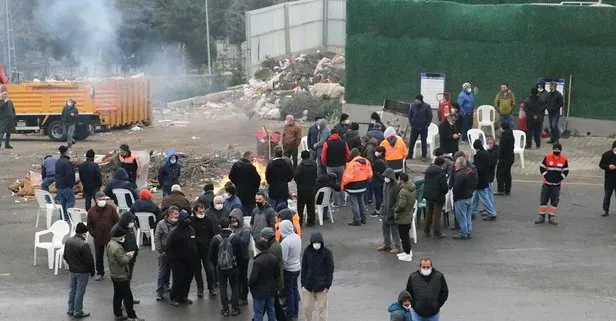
{"type": "Point", "coordinates": [406, 257]}
{"type": "Point", "coordinates": [401, 254]}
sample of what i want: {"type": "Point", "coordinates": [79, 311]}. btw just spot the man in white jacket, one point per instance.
{"type": "Point", "coordinates": [291, 257]}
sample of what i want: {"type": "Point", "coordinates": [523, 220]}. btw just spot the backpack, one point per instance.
{"type": "Point", "coordinates": [226, 259]}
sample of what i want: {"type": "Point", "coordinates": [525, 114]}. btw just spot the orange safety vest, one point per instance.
{"type": "Point", "coordinates": [355, 171]}
{"type": "Point", "coordinates": [296, 227]}
{"type": "Point", "coordinates": [396, 152]}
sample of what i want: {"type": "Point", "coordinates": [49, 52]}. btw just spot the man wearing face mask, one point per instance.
{"type": "Point", "coordinates": [449, 134]}
{"type": "Point", "coordinates": [401, 310]}
{"type": "Point", "coordinates": [244, 234]}
{"type": "Point", "coordinates": [101, 218]}
{"type": "Point", "coordinates": [182, 252]}
{"type": "Point", "coordinates": [216, 210]}
{"type": "Point", "coordinates": [317, 276]}
{"type": "Point", "coordinates": [608, 164]}
{"type": "Point", "coordinates": [262, 216]}
{"type": "Point", "coordinates": [505, 104]}
{"type": "Point", "coordinates": [391, 234]}
{"type": "Point", "coordinates": [231, 200]}
{"type": "Point", "coordinates": [420, 117]}
{"type": "Point", "coordinates": [554, 169]}
{"type": "Point", "coordinates": [428, 290]}
{"type": "Point", "coordinates": [313, 137]}
{"type": "Point", "coordinates": [543, 96]}
{"type": "Point", "coordinates": [466, 100]}
{"type": "Point", "coordinates": [70, 118]}
{"type": "Point", "coordinates": [322, 137]}
{"type": "Point", "coordinates": [118, 268]}
{"type": "Point", "coordinates": [375, 118]}
{"type": "Point", "coordinates": [163, 228]}
{"type": "Point", "coordinates": [127, 223]}
{"type": "Point", "coordinates": [169, 174]}
{"type": "Point", "coordinates": [206, 227]}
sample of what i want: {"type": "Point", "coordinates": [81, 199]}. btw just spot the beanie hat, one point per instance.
{"type": "Point", "coordinates": [176, 188]}
{"type": "Point", "coordinates": [354, 153]}
{"type": "Point", "coordinates": [305, 154]}
{"type": "Point", "coordinates": [145, 194]}
{"type": "Point", "coordinates": [90, 154]}
{"type": "Point", "coordinates": [183, 215]}
{"type": "Point", "coordinates": [268, 233]}
{"type": "Point", "coordinates": [81, 228]}
{"type": "Point", "coordinates": [261, 245]}
{"type": "Point", "coordinates": [118, 232]}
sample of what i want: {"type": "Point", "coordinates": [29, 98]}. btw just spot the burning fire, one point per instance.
{"type": "Point", "coordinates": [259, 165]}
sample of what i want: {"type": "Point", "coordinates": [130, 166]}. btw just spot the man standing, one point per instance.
{"type": "Point", "coordinates": [127, 223]}
{"type": "Point", "coordinates": [101, 218]}
{"type": "Point", "coordinates": [554, 169]}
{"type": "Point", "coordinates": [169, 174]}
{"type": "Point", "coordinates": [291, 138]}
{"type": "Point", "coordinates": [379, 165]}
{"type": "Point", "coordinates": [65, 180]}
{"type": "Point", "coordinates": [322, 137]}
{"type": "Point", "coordinates": [343, 125]}
{"type": "Point", "coordinates": [291, 257]}
{"type": "Point", "coordinates": [274, 248]}
{"type": "Point", "coordinates": [428, 290]}
{"type": "Point", "coordinates": [533, 106]}
{"type": "Point", "coordinates": [464, 184]}
{"type": "Point", "coordinates": [335, 154]}
{"type": "Point", "coordinates": [316, 277]}
{"type": "Point", "coordinates": [163, 228]}
{"type": "Point", "coordinates": [78, 255]}
{"type": "Point", "coordinates": [313, 137]}
{"type": "Point", "coordinates": [224, 250]}
{"type": "Point", "coordinates": [306, 178]}
{"type": "Point", "coordinates": [553, 104]}
{"type": "Point", "coordinates": [505, 104]}
{"type": "Point", "coordinates": [505, 160]}
{"type": "Point", "coordinates": [182, 253]}
{"type": "Point", "coordinates": [449, 134]}
{"type": "Point", "coordinates": [262, 216]}
{"type": "Point", "coordinates": [395, 150]}
{"type": "Point", "coordinates": [405, 205]}
{"type": "Point", "coordinates": [130, 163]}
{"type": "Point", "coordinates": [262, 282]}
{"type": "Point", "coordinates": [608, 164]}
{"type": "Point", "coordinates": [466, 100]}
{"type": "Point", "coordinates": [70, 118]}
{"type": "Point", "coordinates": [7, 120]}
{"type": "Point", "coordinates": [90, 177]}
{"type": "Point", "coordinates": [434, 191]}
{"type": "Point", "coordinates": [420, 117]}
{"type": "Point", "coordinates": [391, 233]}
{"type": "Point", "coordinates": [278, 174]}
{"type": "Point", "coordinates": [483, 191]}
{"type": "Point", "coordinates": [48, 172]}
{"type": "Point", "coordinates": [246, 179]}
{"type": "Point", "coordinates": [357, 174]}
{"type": "Point", "coordinates": [243, 233]}
{"type": "Point", "coordinates": [206, 227]}
{"type": "Point", "coordinates": [118, 268]}
{"type": "Point", "coordinates": [494, 151]}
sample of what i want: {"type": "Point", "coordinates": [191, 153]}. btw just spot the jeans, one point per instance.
{"type": "Point", "coordinates": [508, 119]}
{"type": "Point", "coordinates": [305, 199]}
{"type": "Point", "coordinates": [369, 194]}
{"type": "Point", "coordinates": [434, 210]}
{"type": "Point", "coordinates": [463, 214]}
{"type": "Point", "coordinates": [423, 134]}
{"type": "Point", "coordinates": [69, 129]}
{"type": "Point", "coordinates": [46, 182]}
{"type": "Point", "coordinates": [338, 196]}
{"type": "Point", "coordinates": [553, 120]}
{"type": "Point", "coordinates": [204, 262]}
{"type": "Point", "coordinates": [77, 289]}
{"type": "Point", "coordinates": [607, 197]}
{"type": "Point", "coordinates": [242, 264]}
{"type": "Point", "coordinates": [466, 124]}
{"type": "Point", "coordinates": [88, 199]}
{"type": "Point", "coordinates": [99, 252]}
{"type": "Point", "coordinates": [503, 175]}
{"type": "Point", "coordinates": [377, 187]}
{"type": "Point", "coordinates": [291, 287]}
{"type": "Point", "coordinates": [534, 132]}
{"type": "Point", "coordinates": [164, 272]}
{"type": "Point", "coordinates": [310, 298]}
{"type": "Point", "coordinates": [67, 200]}
{"type": "Point", "coordinates": [404, 230]}
{"type": "Point", "coordinates": [275, 202]}
{"type": "Point", "coordinates": [487, 199]}
{"type": "Point", "coordinates": [291, 152]}
{"type": "Point", "coordinates": [417, 317]}
{"type": "Point", "coordinates": [123, 293]}
{"type": "Point", "coordinates": [391, 233]}
{"type": "Point", "coordinates": [357, 206]}
{"type": "Point", "coordinates": [262, 306]}
{"type": "Point", "coordinates": [230, 276]}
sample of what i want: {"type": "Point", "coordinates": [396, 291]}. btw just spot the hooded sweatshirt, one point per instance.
{"type": "Point", "coordinates": [169, 174]}
{"type": "Point", "coordinates": [397, 311]}
{"type": "Point", "coordinates": [291, 247]}
{"type": "Point", "coordinates": [435, 184]}
{"type": "Point", "coordinates": [317, 266]}
{"type": "Point", "coordinates": [390, 194]}
{"type": "Point", "coordinates": [242, 231]}
{"type": "Point", "coordinates": [120, 180]}
{"type": "Point", "coordinates": [130, 243]}
{"type": "Point", "coordinates": [262, 217]}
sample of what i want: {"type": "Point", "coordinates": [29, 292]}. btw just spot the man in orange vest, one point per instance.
{"type": "Point", "coordinates": [357, 174]}
{"type": "Point", "coordinates": [554, 169]}
{"type": "Point", "coordinates": [395, 150]}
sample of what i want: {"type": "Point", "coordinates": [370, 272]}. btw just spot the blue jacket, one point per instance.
{"type": "Point", "coordinates": [398, 313]}
{"type": "Point", "coordinates": [169, 174]}
{"type": "Point", "coordinates": [232, 203]}
{"type": "Point", "coordinates": [65, 173]}
{"type": "Point", "coordinates": [466, 102]}
{"type": "Point", "coordinates": [420, 116]}
{"type": "Point", "coordinates": [313, 137]}
{"type": "Point", "coordinates": [49, 167]}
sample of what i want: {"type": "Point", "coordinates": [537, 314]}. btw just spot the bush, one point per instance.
{"type": "Point", "coordinates": [296, 105]}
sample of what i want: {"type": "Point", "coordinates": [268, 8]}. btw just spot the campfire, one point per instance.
{"type": "Point", "coordinates": [259, 164]}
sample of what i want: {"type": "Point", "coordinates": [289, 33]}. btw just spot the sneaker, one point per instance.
{"type": "Point", "coordinates": [552, 221]}
{"type": "Point", "coordinates": [224, 312]}
{"type": "Point", "coordinates": [213, 292]}
{"type": "Point", "coordinates": [159, 297]}
{"type": "Point", "coordinates": [406, 257]}
{"type": "Point", "coordinates": [460, 237]}
{"type": "Point", "coordinates": [383, 248]}
{"type": "Point", "coordinates": [394, 251]}
{"type": "Point", "coordinates": [80, 315]}
{"type": "Point", "coordinates": [540, 220]}
{"type": "Point", "coordinates": [99, 277]}
{"type": "Point", "coordinates": [8, 147]}
{"type": "Point", "coordinates": [354, 223]}
{"type": "Point", "coordinates": [375, 214]}
{"type": "Point", "coordinates": [489, 218]}
{"type": "Point", "coordinates": [235, 312]}
{"type": "Point", "coordinates": [400, 254]}
{"type": "Point", "coordinates": [187, 301]}
{"type": "Point", "coordinates": [69, 313]}
{"type": "Point", "coordinates": [605, 213]}
{"type": "Point", "coordinates": [363, 222]}
{"type": "Point", "coordinates": [498, 193]}
{"type": "Point", "coordinates": [175, 303]}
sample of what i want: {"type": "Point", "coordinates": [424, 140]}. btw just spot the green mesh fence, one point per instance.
{"type": "Point", "coordinates": [390, 42]}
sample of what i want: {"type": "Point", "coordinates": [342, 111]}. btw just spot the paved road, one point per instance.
{"type": "Point", "coordinates": [511, 270]}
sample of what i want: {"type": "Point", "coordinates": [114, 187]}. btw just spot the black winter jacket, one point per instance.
{"type": "Point", "coordinates": [90, 177]}
{"type": "Point", "coordinates": [78, 255]}
{"type": "Point", "coordinates": [313, 137]}
{"type": "Point", "coordinates": [352, 139]}
{"type": "Point", "coordinates": [147, 206]}
{"type": "Point", "coordinates": [306, 176]}
{"type": "Point", "coordinates": [206, 198]}
{"type": "Point", "coordinates": [264, 275]}
{"type": "Point", "coordinates": [168, 175]}
{"type": "Point", "coordinates": [182, 243]}
{"type": "Point", "coordinates": [507, 143]}
{"type": "Point", "coordinates": [554, 102]}
{"type": "Point", "coordinates": [65, 173]}
{"type": "Point", "coordinates": [378, 168]}
{"type": "Point", "coordinates": [494, 155]}
{"type": "Point", "coordinates": [428, 293]}
{"type": "Point", "coordinates": [317, 266]}
{"type": "Point", "coordinates": [448, 144]}
{"type": "Point", "coordinates": [482, 164]}
{"type": "Point", "coordinates": [130, 242]}
{"type": "Point", "coordinates": [279, 173]}
{"type": "Point", "coordinates": [465, 181]}
{"type": "Point", "coordinates": [533, 106]}
{"type": "Point", "coordinates": [608, 158]}
{"type": "Point", "coordinates": [120, 180]}
{"type": "Point", "coordinates": [246, 179]}
{"type": "Point", "coordinates": [205, 230]}
{"type": "Point", "coordinates": [235, 244]}
{"type": "Point", "coordinates": [326, 181]}
{"type": "Point", "coordinates": [66, 117]}
{"type": "Point", "coordinates": [435, 184]}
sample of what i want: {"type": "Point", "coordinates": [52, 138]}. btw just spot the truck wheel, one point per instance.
{"type": "Point", "coordinates": [82, 131]}
{"type": "Point", "coordinates": [55, 131]}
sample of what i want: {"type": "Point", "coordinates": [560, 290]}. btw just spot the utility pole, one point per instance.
{"type": "Point", "coordinates": [207, 32]}
{"type": "Point", "coordinates": [10, 42]}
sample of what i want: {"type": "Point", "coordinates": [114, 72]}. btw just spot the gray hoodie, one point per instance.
{"type": "Point", "coordinates": [242, 231]}
{"type": "Point", "coordinates": [323, 135]}
{"type": "Point", "coordinates": [390, 195]}
{"type": "Point", "coordinates": [291, 247]}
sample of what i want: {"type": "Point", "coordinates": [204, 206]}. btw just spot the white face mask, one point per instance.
{"type": "Point", "coordinates": [372, 121]}
{"type": "Point", "coordinates": [218, 207]}
{"type": "Point", "coordinates": [407, 308]}
{"type": "Point", "coordinates": [377, 154]}
{"type": "Point", "coordinates": [200, 215]}
{"type": "Point", "coordinates": [387, 180]}
{"type": "Point", "coordinates": [131, 224]}
{"type": "Point", "coordinates": [235, 224]}
{"type": "Point", "coordinates": [316, 246]}
{"type": "Point", "coordinates": [101, 203]}
{"type": "Point", "coordinates": [347, 121]}
{"type": "Point", "coordinates": [469, 90]}
{"type": "Point", "coordinates": [173, 220]}
{"type": "Point", "coordinates": [426, 272]}
{"type": "Point", "coordinates": [540, 89]}
{"type": "Point", "coordinates": [121, 240]}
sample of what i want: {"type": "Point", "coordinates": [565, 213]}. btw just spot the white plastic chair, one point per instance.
{"type": "Point", "coordinates": [59, 260]}
{"type": "Point", "coordinates": [59, 229]}
{"type": "Point", "coordinates": [75, 217]}
{"type": "Point", "coordinates": [486, 117]}
{"type": "Point", "coordinates": [120, 194]}
{"type": "Point", "coordinates": [431, 141]}
{"type": "Point", "coordinates": [326, 198]}
{"type": "Point", "coordinates": [49, 207]}
{"type": "Point", "coordinates": [304, 143]}
{"type": "Point", "coordinates": [144, 227]}
{"type": "Point", "coordinates": [520, 144]}
{"type": "Point", "coordinates": [414, 224]}
{"type": "Point", "coordinates": [474, 134]}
